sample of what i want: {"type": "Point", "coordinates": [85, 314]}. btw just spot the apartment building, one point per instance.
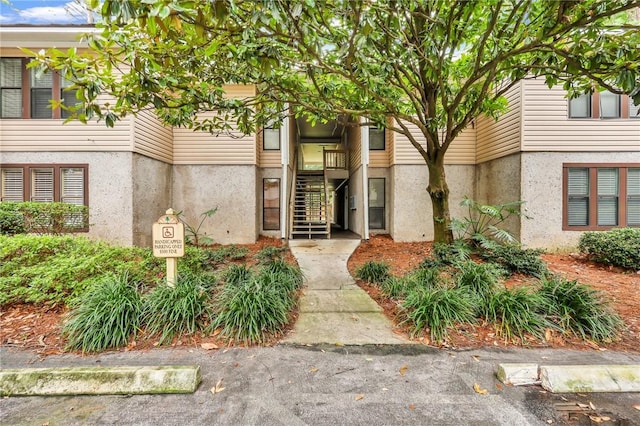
{"type": "Point", "coordinates": [575, 164]}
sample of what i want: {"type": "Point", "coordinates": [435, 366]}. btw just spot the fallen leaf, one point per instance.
{"type": "Point", "coordinates": [499, 386]}
{"type": "Point", "coordinates": [403, 369]}
{"type": "Point", "coordinates": [549, 421]}
{"type": "Point", "coordinates": [359, 396]}
{"type": "Point", "coordinates": [313, 370]}
{"type": "Point", "coordinates": [476, 358]}
{"type": "Point", "coordinates": [637, 406]}
{"type": "Point", "coordinates": [236, 364]}
{"type": "Point", "coordinates": [596, 419]}
{"type": "Point", "coordinates": [593, 407]}
{"type": "Point", "coordinates": [337, 344]}
{"type": "Point", "coordinates": [581, 405]}
{"type": "Point", "coordinates": [385, 389]}
{"type": "Point", "coordinates": [478, 389]}
{"type": "Point", "coordinates": [412, 406]}
{"type": "Point", "coordinates": [217, 388]}
{"type": "Point", "coordinates": [369, 359]}
{"type": "Point", "coordinates": [208, 346]}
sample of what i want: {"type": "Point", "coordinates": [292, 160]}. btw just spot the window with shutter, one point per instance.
{"type": "Point", "coordinates": [12, 185]}
{"type": "Point", "coordinates": [42, 185]}
{"type": "Point", "coordinates": [607, 197]}
{"type": "Point", "coordinates": [10, 87]}
{"type": "Point", "coordinates": [578, 200]}
{"type": "Point", "coordinates": [601, 196]}
{"type": "Point", "coordinates": [633, 196]}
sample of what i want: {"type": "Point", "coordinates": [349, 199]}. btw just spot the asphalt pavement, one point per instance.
{"type": "Point", "coordinates": [328, 385]}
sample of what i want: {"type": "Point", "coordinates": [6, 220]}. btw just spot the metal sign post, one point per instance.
{"type": "Point", "coordinates": [168, 242]}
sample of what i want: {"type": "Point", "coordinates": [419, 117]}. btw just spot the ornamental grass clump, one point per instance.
{"type": "Point", "coordinates": [105, 316]}
{"type": "Point", "coordinates": [436, 310]}
{"type": "Point", "coordinates": [480, 280]}
{"type": "Point", "coordinates": [237, 274]}
{"type": "Point", "coordinates": [579, 309]}
{"type": "Point", "coordinates": [252, 311]}
{"type": "Point", "coordinates": [516, 312]}
{"type": "Point", "coordinates": [179, 310]}
{"type": "Point", "coordinates": [373, 272]}
{"type": "Point", "coordinates": [283, 275]}
{"type": "Point", "coordinates": [396, 287]}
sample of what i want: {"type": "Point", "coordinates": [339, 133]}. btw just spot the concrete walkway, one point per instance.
{"type": "Point", "coordinates": [333, 309]}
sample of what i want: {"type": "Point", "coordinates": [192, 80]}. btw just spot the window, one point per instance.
{"type": "Point", "coordinates": [271, 204]}
{"type": "Point", "coordinates": [634, 110]}
{"type": "Point", "coordinates": [27, 93]}
{"type": "Point", "coordinates": [580, 107]}
{"type": "Point", "coordinates": [45, 183]}
{"type": "Point", "coordinates": [601, 196]}
{"type": "Point", "coordinates": [376, 203]}
{"type": "Point", "coordinates": [376, 139]}
{"type": "Point", "coordinates": [609, 105]}
{"type": "Point", "coordinates": [603, 104]}
{"type": "Point", "coordinates": [270, 138]}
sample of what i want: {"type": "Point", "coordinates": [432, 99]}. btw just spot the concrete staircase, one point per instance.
{"type": "Point", "coordinates": [310, 205]}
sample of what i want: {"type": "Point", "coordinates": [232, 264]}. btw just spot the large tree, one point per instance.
{"type": "Point", "coordinates": [434, 64]}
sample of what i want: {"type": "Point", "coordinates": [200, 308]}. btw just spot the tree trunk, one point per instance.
{"type": "Point", "coordinates": [439, 192]}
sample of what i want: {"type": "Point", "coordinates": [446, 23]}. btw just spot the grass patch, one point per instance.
{"type": "Point", "coordinates": [106, 316]}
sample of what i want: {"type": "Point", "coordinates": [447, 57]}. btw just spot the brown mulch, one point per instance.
{"type": "Point", "coordinates": [618, 286]}
{"type": "Point", "coordinates": [38, 328]}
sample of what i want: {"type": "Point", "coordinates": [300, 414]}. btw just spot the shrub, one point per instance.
{"type": "Point", "coordinates": [618, 247]}
{"type": "Point", "coordinates": [42, 218]}
{"type": "Point", "coordinates": [478, 279]}
{"type": "Point", "coordinates": [253, 311]}
{"type": "Point", "coordinates": [105, 316]}
{"type": "Point", "coordinates": [579, 309]}
{"type": "Point", "coordinates": [11, 220]}
{"type": "Point", "coordinates": [56, 269]}
{"type": "Point", "coordinates": [436, 310]}
{"type": "Point", "coordinates": [373, 272]}
{"type": "Point", "coordinates": [449, 254]}
{"type": "Point", "coordinates": [516, 259]}
{"type": "Point", "coordinates": [182, 309]}
{"type": "Point", "coordinates": [516, 312]}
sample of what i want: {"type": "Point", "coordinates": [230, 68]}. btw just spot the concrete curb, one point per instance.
{"type": "Point", "coordinates": [573, 378]}
{"type": "Point", "coordinates": [99, 380]}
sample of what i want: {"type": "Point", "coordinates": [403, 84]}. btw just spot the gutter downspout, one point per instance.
{"type": "Point", "coordinates": [364, 154]}
{"type": "Point", "coordinates": [284, 188]}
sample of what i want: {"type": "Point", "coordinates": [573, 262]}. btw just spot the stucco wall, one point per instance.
{"type": "Point", "coordinates": [498, 181]}
{"type": "Point", "coordinates": [356, 218]}
{"type": "Point", "coordinates": [542, 190]}
{"type": "Point", "coordinates": [232, 189]}
{"type": "Point", "coordinates": [151, 195]}
{"type": "Point", "coordinates": [412, 218]}
{"type": "Point", "coordinates": [110, 189]}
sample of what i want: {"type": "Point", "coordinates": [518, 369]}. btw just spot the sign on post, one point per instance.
{"type": "Point", "coordinates": [168, 242]}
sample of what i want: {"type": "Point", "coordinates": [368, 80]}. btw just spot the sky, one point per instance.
{"type": "Point", "coordinates": [40, 12]}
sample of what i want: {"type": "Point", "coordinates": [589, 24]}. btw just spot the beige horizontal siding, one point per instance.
{"type": "Point", "coordinates": [500, 138]}
{"type": "Point", "coordinates": [355, 147]}
{"type": "Point", "coordinates": [546, 126]}
{"type": "Point", "coordinates": [152, 138]}
{"type": "Point", "coordinates": [53, 135]}
{"type": "Point", "coordinates": [461, 151]}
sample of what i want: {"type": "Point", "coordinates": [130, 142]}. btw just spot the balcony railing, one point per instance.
{"type": "Point", "coordinates": [335, 159]}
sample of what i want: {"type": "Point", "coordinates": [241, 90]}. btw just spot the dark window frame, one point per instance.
{"type": "Point", "coordinates": [593, 195]}
{"type": "Point", "coordinates": [26, 90]}
{"type": "Point", "coordinates": [382, 209]}
{"type": "Point", "coordinates": [384, 138]}
{"type": "Point", "coordinates": [265, 209]}
{"type": "Point", "coordinates": [57, 180]}
{"type": "Point", "coordinates": [264, 146]}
